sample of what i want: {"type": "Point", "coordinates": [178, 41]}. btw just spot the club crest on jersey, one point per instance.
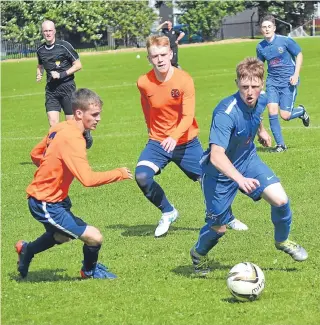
{"type": "Point", "coordinates": [58, 64]}
{"type": "Point", "coordinates": [175, 93]}
{"type": "Point", "coordinates": [280, 49]}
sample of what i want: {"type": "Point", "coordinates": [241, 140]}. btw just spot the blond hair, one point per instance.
{"type": "Point", "coordinates": [83, 98]}
{"type": "Point", "coordinates": [250, 68]}
{"type": "Point", "coordinates": [157, 41]}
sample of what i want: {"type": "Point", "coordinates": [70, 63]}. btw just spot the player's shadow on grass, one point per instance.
{"type": "Point", "coordinates": [188, 270]}
{"type": "Point", "coordinates": [145, 230]}
{"type": "Point", "coordinates": [47, 275]}
{"type": "Point", "coordinates": [285, 269]}
{"type": "Point", "coordinates": [233, 300]}
{"type": "Point", "coordinates": [26, 163]}
{"type": "Point", "coordinates": [265, 149]}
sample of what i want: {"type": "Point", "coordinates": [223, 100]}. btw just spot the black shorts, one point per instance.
{"type": "Point", "coordinates": [174, 60]}
{"type": "Point", "coordinates": [60, 97]}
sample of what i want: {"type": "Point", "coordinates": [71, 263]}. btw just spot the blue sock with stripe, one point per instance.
{"type": "Point", "coordinates": [281, 218]}
{"type": "Point", "coordinates": [276, 129]}
{"type": "Point", "coordinates": [296, 112]}
{"type": "Point", "coordinates": [152, 190]}
{"type": "Point", "coordinates": [208, 238]}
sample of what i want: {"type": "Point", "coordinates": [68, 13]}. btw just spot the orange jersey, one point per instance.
{"type": "Point", "coordinates": [169, 107]}
{"type": "Point", "coordinates": [60, 157]}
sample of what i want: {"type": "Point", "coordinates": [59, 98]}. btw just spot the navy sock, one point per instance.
{"type": "Point", "coordinates": [90, 256]}
{"type": "Point", "coordinates": [208, 238]}
{"type": "Point", "coordinates": [41, 244]}
{"type": "Point", "coordinates": [152, 190]}
{"type": "Point", "coordinates": [296, 112]}
{"type": "Point", "coordinates": [281, 218]}
{"type": "Point", "coordinates": [276, 129]}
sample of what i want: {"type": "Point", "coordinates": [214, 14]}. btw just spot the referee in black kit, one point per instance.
{"type": "Point", "coordinates": [61, 62]}
{"type": "Point", "coordinates": [174, 36]}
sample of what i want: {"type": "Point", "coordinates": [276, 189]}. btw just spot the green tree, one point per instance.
{"type": "Point", "coordinates": [206, 15]}
{"type": "Point", "coordinates": [86, 21]}
{"type": "Point", "coordinates": [131, 20]}
{"type": "Point", "coordinates": [294, 12]}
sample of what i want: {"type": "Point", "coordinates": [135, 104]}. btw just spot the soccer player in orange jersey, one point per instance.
{"type": "Point", "coordinates": [168, 103]}
{"type": "Point", "coordinates": [61, 157]}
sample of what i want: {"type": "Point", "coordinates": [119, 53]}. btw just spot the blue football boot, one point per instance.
{"type": "Point", "coordinates": [100, 271]}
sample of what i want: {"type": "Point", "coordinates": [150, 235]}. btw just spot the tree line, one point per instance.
{"type": "Point", "coordinates": [90, 21]}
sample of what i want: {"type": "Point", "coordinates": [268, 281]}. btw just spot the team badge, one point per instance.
{"type": "Point", "coordinates": [280, 49]}
{"type": "Point", "coordinates": [58, 64]}
{"type": "Point", "coordinates": [175, 93]}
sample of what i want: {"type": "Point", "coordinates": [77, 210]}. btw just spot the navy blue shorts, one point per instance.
{"type": "Point", "coordinates": [219, 195]}
{"type": "Point", "coordinates": [57, 217]}
{"type": "Point", "coordinates": [185, 156]}
{"type": "Point", "coordinates": [284, 96]}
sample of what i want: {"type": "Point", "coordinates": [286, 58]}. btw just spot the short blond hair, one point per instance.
{"type": "Point", "coordinates": [157, 41]}
{"type": "Point", "coordinates": [250, 68]}
{"type": "Point", "coordinates": [83, 98]}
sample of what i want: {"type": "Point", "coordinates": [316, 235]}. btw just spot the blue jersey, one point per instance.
{"type": "Point", "coordinates": [233, 127]}
{"type": "Point", "coordinates": [280, 54]}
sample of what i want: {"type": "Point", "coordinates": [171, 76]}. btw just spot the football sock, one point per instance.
{"type": "Point", "coordinates": [281, 218]}
{"type": "Point", "coordinates": [296, 112]}
{"type": "Point", "coordinates": [90, 256]}
{"type": "Point", "coordinates": [231, 216]}
{"type": "Point", "coordinates": [152, 190]}
{"type": "Point", "coordinates": [276, 129]}
{"type": "Point", "coordinates": [208, 238]}
{"type": "Point", "coordinates": [41, 244]}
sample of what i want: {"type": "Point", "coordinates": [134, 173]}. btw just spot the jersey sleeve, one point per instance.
{"type": "Point", "coordinates": [38, 151]}
{"type": "Point", "coordinates": [259, 54]}
{"type": "Point", "coordinates": [74, 156]}
{"type": "Point", "coordinates": [293, 47]}
{"type": "Point", "coordinates": [188, 110]}
{"type": "Point", "coordinates": [145, 105]}
{"type": "Point", "coordinates": [71, 52]}
{"type": "Point", "coordinates": [221, 129]}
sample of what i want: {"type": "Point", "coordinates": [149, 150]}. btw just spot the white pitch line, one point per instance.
{"type": "Point", "coordinates": [42, 93]}
{"type": "Point", "coordinates": [110, 135]}
{"type": "Point", "coordinates": [136, 134]}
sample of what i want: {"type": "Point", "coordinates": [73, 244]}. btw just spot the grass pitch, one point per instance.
{"type": "Point", "coordinates": [155, 284]}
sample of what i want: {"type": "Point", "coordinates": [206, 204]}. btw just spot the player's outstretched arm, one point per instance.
{"type": "Point", "coordinates": [74, 155]}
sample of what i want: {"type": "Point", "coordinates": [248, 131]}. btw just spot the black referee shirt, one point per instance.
{"type": "Point", "coordinates": [172, 35]}
{"type": "Point", "coordinates": [57, 57]}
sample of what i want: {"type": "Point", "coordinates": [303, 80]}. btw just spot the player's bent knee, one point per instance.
{"type": "Point", "coordinates": [60, 239]}
{"type": "Point", "coordinates": [141, 178]}
{"type": "Point", "coordinates": [285, 115]}
{"type": "Point", "coordinates": [220, 229]}
{"type": "Point", "coordinates": [92, 236]}
{"type": "Point", "coordinates": [144, 175]}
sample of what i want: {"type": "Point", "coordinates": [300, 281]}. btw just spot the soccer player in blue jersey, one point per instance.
{"type": "Point", "coordinates": [284, 58]}
{"type": "Point", "coordinates": [232, 163]}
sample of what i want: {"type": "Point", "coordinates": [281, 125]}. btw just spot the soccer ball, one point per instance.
{"type": "Point", "coordinates": [246, 281]}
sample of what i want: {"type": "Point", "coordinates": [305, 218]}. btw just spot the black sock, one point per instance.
{"type": "Point", "coordinates": [90, 256]}
{"type": "Point", "coordinates": [41, 244]}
